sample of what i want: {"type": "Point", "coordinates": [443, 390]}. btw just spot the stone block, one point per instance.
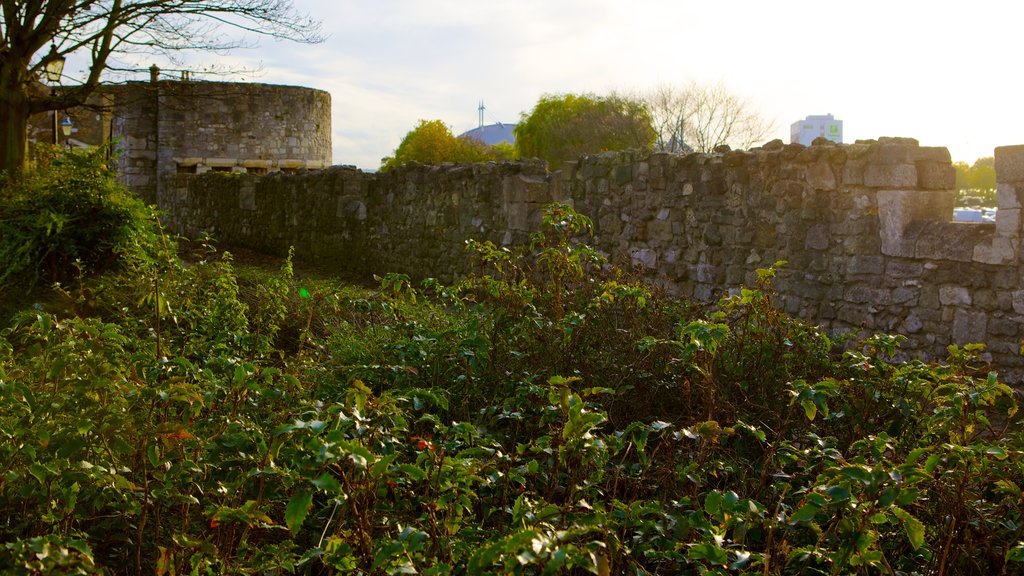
{"type": "Point", "coordinates": [890, 176]}
{"type": "Point", "coordinates": [221, 162]}
{"type": "Point", "coordinates": [901, 270]}
{"type": "Point", "coordinates": [911, 324]}
{"type": "Point", "coordinates": [865, 265]}
{"type": "Point", "coordinates": [938, 154]}
{"type": "Point", "coordinates": [907, 296]}
{"type": "Point", "coordinates": [1010, 163]}
{"type": "Point", "coordinates": [1006, 327]}
{"type": "Point", "coordinates": [817, 237]}
{"type": "Point", "coordinates": [659, 231]}
{"type": "Point", "coordinates": [868, 295]}
{"type": "Point", "coordinates": [291, 164]}
{"type": "Point", "coordinates": [853, 174]}
{"type": "Point", "coordinates": [821, 177]}
{"type": "Point", "coordinates": [517, 216]}
{"type": "Point", "coordinates": [1007, 196]}
{"type": "Point", "coordinates": [944, 241]}
{"type": "Point", "coordinates": [1018, 301]}
{"type": "Point", "coordinates": [1000, 250]}
{"type": "Point", "coordinates": [894, 151]}
{"type": "Point", "coordinates": [969, 327]}
{"type": "Point", "coordinates": [954, 296]}
{"type": "Point", "coordinates": [1008, 222]}
{"type": "Point", "coordinates": [935, 176]}
{"type": "Point", "coordinates": [257, 164]}
{"type": "Point", "coordinates": [898, 208]}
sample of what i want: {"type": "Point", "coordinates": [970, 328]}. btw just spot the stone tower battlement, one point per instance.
{"type": "Point", "coordinates": [168, 127]}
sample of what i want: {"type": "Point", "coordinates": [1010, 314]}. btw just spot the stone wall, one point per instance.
{"type": "Point", "coordinates": [167, 127]}
{"type": "Point", "coordinates": [865, 228]}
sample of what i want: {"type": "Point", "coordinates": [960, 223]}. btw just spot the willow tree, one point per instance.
{"type": "Point", "coordinates": [37, 33]}
{"type": "Point", "coordinates": [563, 127]}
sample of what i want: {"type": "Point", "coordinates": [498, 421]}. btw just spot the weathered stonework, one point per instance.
{"type": "Point", "coordinates": [169, 127]}
{"type": "Point", "coordinates": [865, 229]}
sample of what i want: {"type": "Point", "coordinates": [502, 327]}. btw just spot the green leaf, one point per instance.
{"type": "Point", "coordinates": [81, 547]}
{"type": "Point", "coordinates": [327, 483]}
{"type": "Point", "coordinates": [1015, 554]}
{"type": "Point", "coordinates": [411, 472]}
{"type": "Point", "coordinates": [710, 552]}
{"type": "Point", "coordinates": [296, 511]}
{"type": "Point", "coordinates": [913, 527]}
{"type": "Point", "coordinates": [997, 451]}
{"type": "Point", "coordinates": [810, 408]}
{"type": "Point", "coordinates": [858, 474]}
{"type": "Point", "coordinates": [713, 503]}
{"type": "Point", "coordinates": [806, 513]}
{"type": "Point", "coordinates": [916, 454]}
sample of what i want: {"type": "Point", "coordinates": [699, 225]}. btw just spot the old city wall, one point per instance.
{"type": "Point", "coordinates": [864, 228]}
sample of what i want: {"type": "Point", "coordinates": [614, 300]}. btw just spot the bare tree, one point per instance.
{"type": "Point", "coordinates": [700, 118]}
{"type": "Point", "coordinates": [36, 33]}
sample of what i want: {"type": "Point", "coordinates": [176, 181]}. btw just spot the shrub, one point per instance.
{"type": "Point", "coordinates": [66, 216]}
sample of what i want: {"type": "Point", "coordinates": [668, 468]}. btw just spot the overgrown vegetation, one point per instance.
{"type": "Point", "coordinates": [68, 217]}
{"type": "Point", "coordinates": [548, 415]}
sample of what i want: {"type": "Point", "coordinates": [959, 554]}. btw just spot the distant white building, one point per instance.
{"type": "Point", "coordinates": [806, 130]}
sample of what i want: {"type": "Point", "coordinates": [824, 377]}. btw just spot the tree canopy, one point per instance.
{"type": "Point", "coordinates": [563, 127]}
{"type": "Point", "coordinates": [979, 176]}
{"type": "Point", "coordinates": [432, 142]}
{"type": "Point", "coordinates": [35, 33]}
{"type": "Point", "coordinates": [700, 118]}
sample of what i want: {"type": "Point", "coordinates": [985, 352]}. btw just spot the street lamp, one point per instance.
{"type": "Point", "coordinates": [53, 67]}
{"type": "Point", "coordinates": [66, 127]}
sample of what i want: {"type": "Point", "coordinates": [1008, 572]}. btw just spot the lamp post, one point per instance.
{"type": "Point", "coordinates": [53, 68]}
{"type": "Point", "coordinates": [66, 127]}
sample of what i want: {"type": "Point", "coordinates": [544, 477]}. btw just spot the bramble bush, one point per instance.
{"type": "Point", "coordinates": [547, 415]}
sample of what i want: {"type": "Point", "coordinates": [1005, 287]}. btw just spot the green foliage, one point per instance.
{"type": "Point", "coordinates": [976, 183]}
{"type": "Point", "coordinates": [563, 128]}
{"type": "Point", "coordinates": [432, 142]}
{"type": "Point", "coordinates": [548, 415]}
{"type": "Point", "coordinates": [67, 216]}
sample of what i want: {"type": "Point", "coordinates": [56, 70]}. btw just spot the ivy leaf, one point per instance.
{"type": "Point", "coordinates": [296, 511]}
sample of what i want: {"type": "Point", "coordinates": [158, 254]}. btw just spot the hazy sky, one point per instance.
{"type": "Point", "coordinates": [944, 72]}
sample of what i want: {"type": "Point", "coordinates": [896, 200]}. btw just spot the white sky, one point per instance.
{"type": "Point", "coordinates": [944, 72]}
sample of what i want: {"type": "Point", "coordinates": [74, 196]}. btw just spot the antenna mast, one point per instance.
{"type": "Point", "coordinates": [481, 111]}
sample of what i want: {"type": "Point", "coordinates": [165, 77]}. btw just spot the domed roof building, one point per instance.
{"type": "Point", "coordinates": [491, 134]}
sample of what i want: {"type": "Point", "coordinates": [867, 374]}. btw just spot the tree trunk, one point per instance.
{"type": "Point", "coordinates": [14, 112]}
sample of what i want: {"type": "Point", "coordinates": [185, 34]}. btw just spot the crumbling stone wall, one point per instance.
{"type": "Point", "coordinates": [865, 228]}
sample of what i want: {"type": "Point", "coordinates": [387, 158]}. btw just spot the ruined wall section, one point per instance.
{"type": "Point", "coordinates": [133, 127]}
{"type": "Point", "coordinates": [865, 229]}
